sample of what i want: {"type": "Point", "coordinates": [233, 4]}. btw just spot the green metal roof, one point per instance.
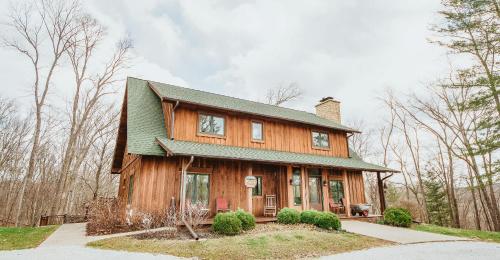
{"type": "Point", "coordinates": [241, 105]}
{"type": "Point", "coordinates": [250, 154]}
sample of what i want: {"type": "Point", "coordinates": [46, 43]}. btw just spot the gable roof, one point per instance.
{"type": "Point", "coordinates": [175, 147]}
{"type": "Point", "coordinates": [142, 117]}
{"type": "Point", "coordinates": [192, 96]}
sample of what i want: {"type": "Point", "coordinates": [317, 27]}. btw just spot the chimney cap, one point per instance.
{"type": "Point", "coordinates": [324, 99]}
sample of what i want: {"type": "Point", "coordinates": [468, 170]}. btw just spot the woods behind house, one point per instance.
{"type": "Point", "coordinates": [54, 159]}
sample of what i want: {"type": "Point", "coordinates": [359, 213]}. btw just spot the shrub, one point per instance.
{"type": "Point", "coordinates": [308, 216]}
{"type": "Point", "coordinates": [327, 220]}
{"type": "Point", "coordinates": [247, 219]}
{"type": "Point", "coordinates": [103, 217]}
{"type": "Point", "coordinates": [288, 216]}
{"type": "Point", "coordinates": [397, 217]}
{"type": "Point", "coordinates": [227, 223]}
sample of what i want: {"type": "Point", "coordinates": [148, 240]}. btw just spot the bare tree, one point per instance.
{"type": "Point", "coordinates": [283, 93]}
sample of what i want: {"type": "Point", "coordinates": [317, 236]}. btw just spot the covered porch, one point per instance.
{"type": "Point", "coordinates": [215, 175]}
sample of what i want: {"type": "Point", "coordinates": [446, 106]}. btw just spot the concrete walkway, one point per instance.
{"type": "Point", "coordinates": [68, 242]}
{"type": "Point", "coordinates": [395, 234]}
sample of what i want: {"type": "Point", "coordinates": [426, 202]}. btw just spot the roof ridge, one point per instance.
{"type": "Point", "coordinates": [247, 100]}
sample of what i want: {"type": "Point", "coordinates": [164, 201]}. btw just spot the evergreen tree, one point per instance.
{"type": "Point", "coordinates": [437, 202]}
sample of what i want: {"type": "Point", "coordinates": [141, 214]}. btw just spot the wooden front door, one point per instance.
{"type": "Point", "coordinates": [315, 194]}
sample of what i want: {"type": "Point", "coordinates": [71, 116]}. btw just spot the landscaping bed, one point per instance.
{"type": "Point", "coordinates": [265, 241]}
{"type": "Point", "coordinates": [12, 238]}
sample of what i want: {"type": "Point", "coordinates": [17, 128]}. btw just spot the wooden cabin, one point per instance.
{"type": "Point", "coordinates": [195, 147]}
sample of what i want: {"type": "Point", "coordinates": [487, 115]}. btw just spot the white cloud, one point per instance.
{"type": "Point", "coordinates": [351, 50]}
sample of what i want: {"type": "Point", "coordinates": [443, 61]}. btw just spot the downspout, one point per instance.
{"type": "Point", "coordinates": [183, 197]}
{"type": "Point", "coordinates": [173, 120]}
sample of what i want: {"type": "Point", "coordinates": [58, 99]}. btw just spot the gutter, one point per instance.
{"type": "Point", "coordinates": [183, 197]}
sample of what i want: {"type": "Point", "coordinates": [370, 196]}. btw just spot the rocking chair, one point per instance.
{"type": "Point", "coordinates": [270, 207]}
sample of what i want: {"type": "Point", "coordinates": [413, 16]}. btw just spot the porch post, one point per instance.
{"type": "Point", "coordinates": [324, 180]}
{"type": "Point", "coordinates": [249, 191]}
{"type": "Point", "coordinates": [381, 194]}
{"type": "Point", "coordinates": [347, 194]}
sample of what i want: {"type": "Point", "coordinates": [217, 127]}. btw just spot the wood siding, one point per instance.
{"type": "Point", "coordinates": [278, 135]}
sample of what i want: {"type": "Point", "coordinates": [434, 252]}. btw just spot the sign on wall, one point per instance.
{"type": "Point", "coordinates": [250, 181]}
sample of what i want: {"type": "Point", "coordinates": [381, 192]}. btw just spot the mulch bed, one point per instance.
{"type": "Point", "coordinates": [182, 233]}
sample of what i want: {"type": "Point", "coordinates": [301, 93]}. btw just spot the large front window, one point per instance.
{"type": "Point", "coordinates": [320, 139]}
{"type": "Point", "coordinates": [211, 124]}
{"type": "Point", "coordinates": [296, 182]}
{"type": "Point", "coordinates": [198, 188]}
{"type": "Point", "coordinates": [336, 190]}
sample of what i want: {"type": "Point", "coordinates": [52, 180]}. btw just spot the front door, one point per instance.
{"type": "Point", "coordinates": [315, 195]}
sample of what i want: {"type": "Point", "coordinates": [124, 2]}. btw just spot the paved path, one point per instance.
{"type": "Point", "coordinates": [68, 242]}
{"type": "Point", "coordinates": [460, 250]}
{"type": "Point", "coordinates": [395, 234]}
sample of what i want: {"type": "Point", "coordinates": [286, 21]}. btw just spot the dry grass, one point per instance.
{"type": "Point", "coordinates": [474, 234]}
{"type": "Point", "coordinates": [266, 241]}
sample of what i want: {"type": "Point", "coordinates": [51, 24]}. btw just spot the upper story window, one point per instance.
{"type": "Point", "coordinates": [211, 124]}
{"type": "Point", "coordinates": [320, 139]}
{"type": "Point", "coordinates": [257, 131]}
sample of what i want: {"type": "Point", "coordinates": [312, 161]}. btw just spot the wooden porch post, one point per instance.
{"type": "Point", "coordinates": [303, 188]}
{"type": "Point", "coordinates": [249, 191]}
{"type": "Point", "coordinates": [324, 179]}
{"type": "Point", "coordinates": [381, 194]}
{"type": "Point", "coordinates": [347, 194]}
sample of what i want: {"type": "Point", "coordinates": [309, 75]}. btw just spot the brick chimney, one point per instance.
{"type": "Point", "coordinates": [329, 108]}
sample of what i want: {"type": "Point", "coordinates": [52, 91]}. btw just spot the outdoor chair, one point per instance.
{"type": "Point", "coordinates": [221, 205]}
{"type": "Point", "coordinates": [270, 207]}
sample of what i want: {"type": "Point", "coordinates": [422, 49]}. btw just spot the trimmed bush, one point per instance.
{"type": "Point", "coordinates": [288, 216]}
{"type": "Point", "coordinates": [247, 219]}
{"type": "Point", "coordinates": [327, 220]}
{"type": "Point", "coordinates": [227, 224]}
{"type": "Point", "coordinates": [398, 217]}
{"type": "Point", "coordinates": [308, 216]}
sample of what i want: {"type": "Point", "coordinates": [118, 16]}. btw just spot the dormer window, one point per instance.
{"type": "Point", "coordinates": [211, 124]}
{"type": "Point", "coordinates": [320, 140]}
{"type": "Point", "coordinates": [257, 131]}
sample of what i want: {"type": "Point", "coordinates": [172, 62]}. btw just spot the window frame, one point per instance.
{"type": "Point", "coordinates": [261, 129]}
{"type": "Point", "coordinates": [331, 191]}
{"type": "Point", "coordinates": [320, 132]}
{"type": "Point", "coordinates": [294, 174]}
{"type": "Point", "coordinates": [198, 128]}
{"type": "Point", "coordinates": [195, 193]}
{"type": "Point", "coordinates": [259, 182]}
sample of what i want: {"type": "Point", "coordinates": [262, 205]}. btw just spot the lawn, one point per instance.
{"type": "Point", "coordinates": [23, 237]}
{"type": "Point", "coordinates": [278, 243]}
{"type": "Point", "coordinates": [474, 234]}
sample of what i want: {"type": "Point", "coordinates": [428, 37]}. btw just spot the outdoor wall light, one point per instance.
{"type": "Point", "coordinates": [325, 183]}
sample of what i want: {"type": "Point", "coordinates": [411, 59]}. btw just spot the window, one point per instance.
{"type": "Point", "coordinates": [211, 124]}
{"type": "Point", "coordinates": [130, 189]}
{"type": "Point", "coordinates": [296, 181]}
{"type": "Point", "coordinates": [336, 190]}
{"type": "Point", "coordinates": [320, 139]}
{"type": "Point", "coordinates": [257, 191]}
{"type": "Point", "coordinates": [257, 133]}
{"type": "Point", "coordinates": [198, 188]}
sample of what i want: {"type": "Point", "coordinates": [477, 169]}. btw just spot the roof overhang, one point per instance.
{"type": "Point", "coordinates": [186, 148]}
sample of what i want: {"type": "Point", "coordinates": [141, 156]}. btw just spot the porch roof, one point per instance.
{"type": "Point", "coordinates": [175, 147]}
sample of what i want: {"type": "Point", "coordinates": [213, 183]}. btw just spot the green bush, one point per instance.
{"type": "Point", "coordinates": [308, 216]}
{"type": "Point", "coordinates": [247, 219]}
{"type": "Point", "coordinates": [288, 216]}
{"type": "Point", "coordinates": [327, 220]}
{"type": "Point", "coordinates": [227, 223]}
{"type": "Point", "coordinates": [398, 217]}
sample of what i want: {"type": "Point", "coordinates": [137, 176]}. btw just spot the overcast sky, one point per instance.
{"type": "Point", "coordinates": [351, 50]}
